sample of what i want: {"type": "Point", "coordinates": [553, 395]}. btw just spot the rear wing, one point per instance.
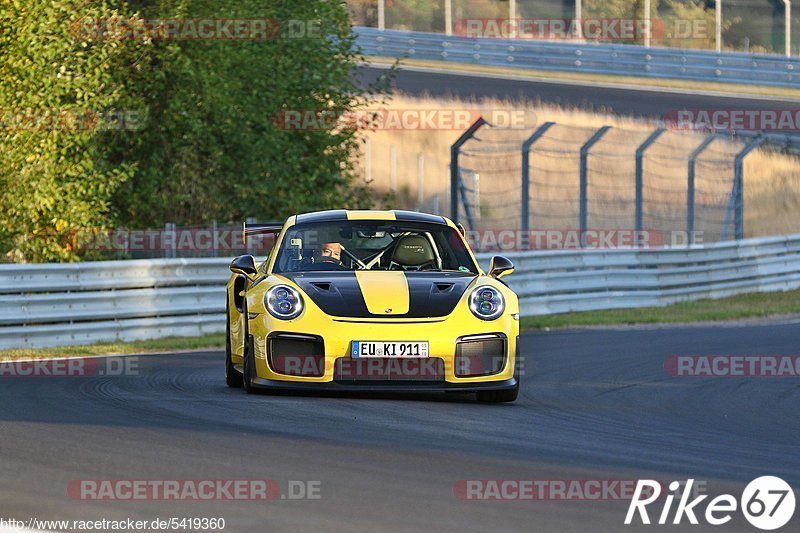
{"type": "Point", "coordinates": [260, 229]}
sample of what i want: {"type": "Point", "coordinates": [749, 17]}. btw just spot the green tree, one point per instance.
{"type": "Point", "coordinates": [204, 144]}
{"type": "Point", "coordinates": [55, 178]}
{"type": "Point", "coordinates": [212, 150]}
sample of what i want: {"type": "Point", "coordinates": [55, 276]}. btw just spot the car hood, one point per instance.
{"type": "Point", "coordinates": [373, 294]}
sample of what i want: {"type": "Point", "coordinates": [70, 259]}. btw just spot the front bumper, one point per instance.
{"type": "Point", "coordinates": [337, 335]}
{"type": "Point", "coordinates": [387, 386]}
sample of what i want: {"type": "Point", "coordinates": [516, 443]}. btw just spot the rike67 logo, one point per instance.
{"type": "Point", "coordinates": [767, 503]}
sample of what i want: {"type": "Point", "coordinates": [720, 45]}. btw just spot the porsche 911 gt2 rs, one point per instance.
{"type": "Point", "coordinates": [371, 300]}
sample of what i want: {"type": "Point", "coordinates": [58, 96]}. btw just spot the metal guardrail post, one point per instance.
{"type": "Point", "coordinates": [526, 174]}
{"type": "Point", "coordinates": [454, 174]}
{"type": "Point", "coordinates": [639, 219]}
{"type": "Point", "coordinates": [583, 213]}
{"type": "Point", "coordinates": [690, 188]}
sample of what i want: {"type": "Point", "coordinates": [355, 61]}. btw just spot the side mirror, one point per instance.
{"type": "Point", "coordinates": [500, 266]}
{"type": "Point", "coordinates": [245, 265]}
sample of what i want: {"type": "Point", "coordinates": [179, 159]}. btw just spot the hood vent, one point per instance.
{"type": "Point", "coordinates": [341, 294]}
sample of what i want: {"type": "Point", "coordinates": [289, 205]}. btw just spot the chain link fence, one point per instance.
{"type": "Point", "coordinates": [564, 186]}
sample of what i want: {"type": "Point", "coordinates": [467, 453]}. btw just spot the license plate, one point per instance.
{"type": "Point", "coordinates": [389, 349]}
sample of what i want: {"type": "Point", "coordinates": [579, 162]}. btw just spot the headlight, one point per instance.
{"type": "Point", "coordinates": [486, 302]}
{"type": "Point", "coordinates": [283, 302]}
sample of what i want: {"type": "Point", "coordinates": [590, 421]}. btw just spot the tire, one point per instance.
{"type": "Point", "coordinates": [233, 378]}
{"type": "Point", "coordinates": [499, 396]}
{"type": "Point", "coordinates": [249, 366]}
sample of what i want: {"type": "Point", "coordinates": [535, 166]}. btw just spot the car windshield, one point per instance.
{"type": "Point", "coordinates": [373, 245]}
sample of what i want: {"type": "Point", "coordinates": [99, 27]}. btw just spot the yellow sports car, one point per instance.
{"type": "Point", "coordinates": [371, 300]}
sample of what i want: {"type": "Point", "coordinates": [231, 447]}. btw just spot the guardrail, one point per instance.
{"type": "Point", "coordinates": [563, 281]}
{"type": "Point", "coordinates": [82, 303]}
{"type": "Point", "coordinates": [618, 59]}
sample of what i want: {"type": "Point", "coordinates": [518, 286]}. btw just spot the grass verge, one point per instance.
{"type": "Point", "coordinates": [215, 341]}
{"type": "Point", "coordinates": [743, 306]}
{"type": "Point", "coordinates": [641, 81]}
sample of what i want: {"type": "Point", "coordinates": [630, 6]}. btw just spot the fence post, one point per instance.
{"type": "Point", "coordinates": [420, 181]}
{"type": "Point", "coordinates": [584, 215]}
{"type": "Point", "coordinates": [736, 202]}
{"type": "Point", "coordinates": [738, 170]}
{"type": "Point", "coordinates": [170, 229]}
{"type": "Point", "coordinates": [215, 237]}
{"type": "Point", "coordinates": [454, 177]}
{"type": "Point", "coordinates": [526, 176]}
{"type": "Point", "coordinates": [249, 243]}
{"type": "Point", "coordinates": [393, 168]}
{"type": "Point", "coordinates": [690, 188]}
{"type": "Point", "coordinates": [464, 199]}
{"type": "Point", "coordinates": [368, 160]}
{"type": "Point", "coordinates": [639, 220]}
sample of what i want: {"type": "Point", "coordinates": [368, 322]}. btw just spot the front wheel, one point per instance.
{"type": "Point", "coordinates": [248, 370]}
{"type": "Point", "coordinates": [232, 377]}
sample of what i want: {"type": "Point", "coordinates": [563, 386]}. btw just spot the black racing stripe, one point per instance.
{"type": "Point", "coordinates": [413, 216]}
{"type": "Point", "coordinates": [336, 293]}
{"type": "Point", "coordinates": [322, 216]}
{"type": "Point", "coordinates": [431, 294]}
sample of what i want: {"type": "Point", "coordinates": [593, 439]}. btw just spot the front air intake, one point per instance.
{"type": "Point", "coordinates": [480, 355]}
{"type": "Point", "coordinates": [296, 355]}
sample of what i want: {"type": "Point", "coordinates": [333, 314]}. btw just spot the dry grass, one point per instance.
{"type": "Point", "coordinates": [772, 180]}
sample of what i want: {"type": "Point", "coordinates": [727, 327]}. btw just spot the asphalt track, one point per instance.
{"type": "Point", "coordinates": [595, 404]}
{"type": "Point", "coordinates": [621, 101]}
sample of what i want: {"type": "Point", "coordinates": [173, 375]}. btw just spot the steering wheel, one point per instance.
{"type": "Point", "coordinates": [328, 265]}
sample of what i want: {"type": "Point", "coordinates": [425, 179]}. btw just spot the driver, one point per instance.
{"type": "Point", "coordinates": [331, 252]}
